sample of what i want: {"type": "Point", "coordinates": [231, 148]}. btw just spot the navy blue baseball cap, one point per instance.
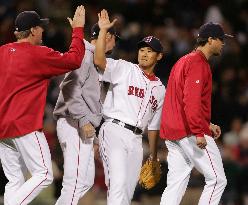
{"type": "Point", "coordinates": [28, 19]}
{"type": "Point", "coordinates": [151, 42]}
{"type": "Point", "coordinates": [214, 30]}
{"type": "Point", "coordinates": [95, 32]}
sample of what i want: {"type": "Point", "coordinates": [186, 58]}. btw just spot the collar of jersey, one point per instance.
{"type": "Point", "coordinates": [151, 77]}
{"type": "Point", "coordinates": [202, 55]}
{"type": "Point", "coordinates": [89, 46]}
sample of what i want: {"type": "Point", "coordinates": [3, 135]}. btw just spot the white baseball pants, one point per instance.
{"type": "Point", "coordinates": [79, 165]}
{"type": "Point", "coordinates": [122, 153]}
{"type": "Point", "coordinates": [183, 155]}
{"type": "Point", "coordinates": [20, 155]}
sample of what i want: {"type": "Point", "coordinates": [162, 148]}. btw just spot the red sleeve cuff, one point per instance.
{"type": "Point", "coordinates": [78, 32]}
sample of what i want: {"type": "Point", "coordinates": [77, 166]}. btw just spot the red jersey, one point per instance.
{"type": "Point", "coordinates": [25, 70]}
{"type": "Point", "coordinates": [187, 105]}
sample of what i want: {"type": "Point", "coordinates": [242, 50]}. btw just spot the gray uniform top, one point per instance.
{"type": "Point", "coordinates": [79, 96]}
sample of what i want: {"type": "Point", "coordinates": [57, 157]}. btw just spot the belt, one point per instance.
{"type": "Point", "coordinates": [135, 130]}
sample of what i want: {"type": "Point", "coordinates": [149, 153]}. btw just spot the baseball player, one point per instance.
{"type": "Point", "coordinates": [25, 70]}
{"type": "Point", "coordinates": [78, 111]}
{"type": "Point", "coordinates": [132, 104]}
{"type": "Point", "coordinates": [185, 123]}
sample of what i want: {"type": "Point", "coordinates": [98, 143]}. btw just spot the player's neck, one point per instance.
{"type": "Point", "coordinates": [205, 51]}
{"type": "Point", "coordinates": [26, 40]}
{"type": "Point", "coordinates": [147, 71]}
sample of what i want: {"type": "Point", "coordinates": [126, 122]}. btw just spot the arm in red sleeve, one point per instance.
{"type": "Point", "coordinates": [192, 97]}
{"type": "Point", "coordinates": [52, 63]}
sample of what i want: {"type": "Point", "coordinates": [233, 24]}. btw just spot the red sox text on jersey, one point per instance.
{"type": "Point", "coordinates": [140, 92]}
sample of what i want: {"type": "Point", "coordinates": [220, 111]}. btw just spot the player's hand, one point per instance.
{"type": "Point", "coordinates": [88, 130]}
{"type": "Point", "coordinates": [216, 130]}
{"type": "Point", "coordinates": [103, 20]}
{"type": "Point", "coordinates": [79, 17]}
{"type": "Point", "coordinates": [201, 142]}
{"type": "Point", "coordinates": [153, 157]}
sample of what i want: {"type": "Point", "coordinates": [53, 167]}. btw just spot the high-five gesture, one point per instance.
{"type": "Point", "coordinates": [104, 25]}
{"type": "Point", "coordinates": [79, 17]}
{"type": "Point", "coordinates": [103, 20]}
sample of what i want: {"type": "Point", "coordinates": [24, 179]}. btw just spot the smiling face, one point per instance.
{"type": "Point", "coordinates": [148, 58]}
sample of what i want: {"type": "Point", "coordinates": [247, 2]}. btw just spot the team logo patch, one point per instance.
{"type": "Point", "coordinates": [148, 39]}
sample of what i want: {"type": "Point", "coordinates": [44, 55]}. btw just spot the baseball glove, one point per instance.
{"type": "Point", "coordinates": [150, 173]}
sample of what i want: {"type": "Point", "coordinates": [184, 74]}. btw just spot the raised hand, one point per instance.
{"type": "Point", "coordinates": [79, 17]}
{"type": "Point", "coordinates": [103, 20]}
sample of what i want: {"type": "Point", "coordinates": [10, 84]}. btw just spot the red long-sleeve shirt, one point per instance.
{"type": "Point", "coordinates": [187, 104]}
{"type": "Point", "coordinates": [25, 71]}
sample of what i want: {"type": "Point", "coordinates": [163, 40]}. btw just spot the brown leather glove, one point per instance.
{"type": "Point", "coordinates": [150, 173]}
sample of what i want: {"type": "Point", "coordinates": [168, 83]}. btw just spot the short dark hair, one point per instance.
{"type": "Point", "coordinates": [201, 41]}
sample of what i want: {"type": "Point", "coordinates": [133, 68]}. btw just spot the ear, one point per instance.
{"type": "Point", "coordinates": [210, 39]}
{"type": "Point", "coordinates": [160, 56]}
{"type": "Point", "coordinates": [32, 30]}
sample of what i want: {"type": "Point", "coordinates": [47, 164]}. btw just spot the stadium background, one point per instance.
{"type": "Point", "coordinates": [175, 22]}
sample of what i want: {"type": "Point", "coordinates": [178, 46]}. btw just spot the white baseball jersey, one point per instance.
{"type": "Point", "coordinates": [132, 97]}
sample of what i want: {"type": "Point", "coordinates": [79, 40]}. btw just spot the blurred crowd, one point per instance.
{"type": "Point", "coordinates": [175, 23]}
